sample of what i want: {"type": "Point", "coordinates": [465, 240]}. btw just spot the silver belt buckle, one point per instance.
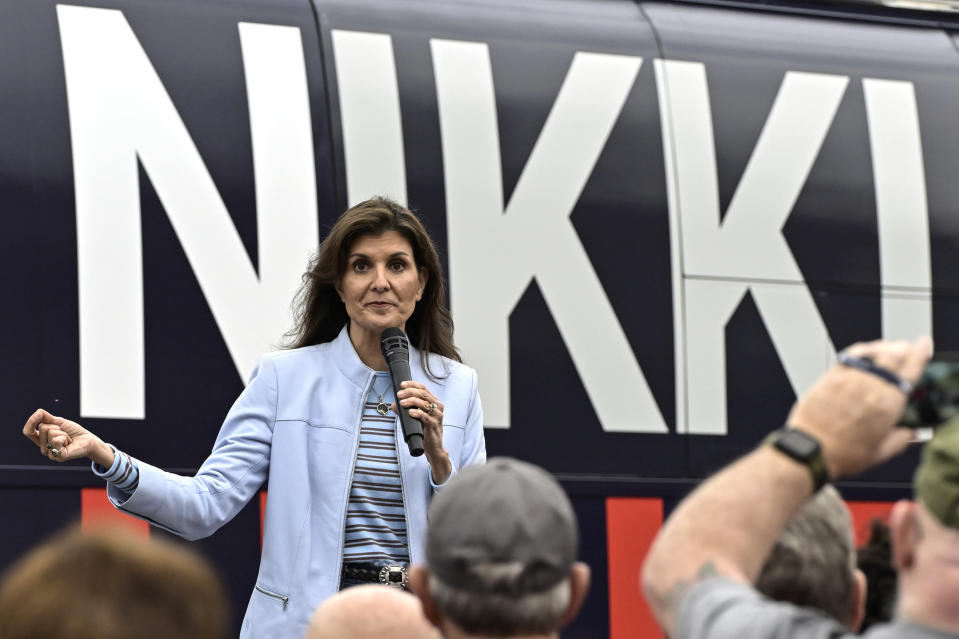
{"type": "Point", "coordinates": [393, 575]}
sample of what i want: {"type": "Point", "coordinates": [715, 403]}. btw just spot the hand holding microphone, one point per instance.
{"type": "Point", "coordinates": [396, 352]}
{"type": "Point", "coordinates": [416, 397]}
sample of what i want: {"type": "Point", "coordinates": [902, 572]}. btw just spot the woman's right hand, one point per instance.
{"type": "Point", "coordinates": [61, 440]}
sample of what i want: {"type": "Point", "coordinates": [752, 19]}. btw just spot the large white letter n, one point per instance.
{"type": "Point", "coordinates": [119, 112]}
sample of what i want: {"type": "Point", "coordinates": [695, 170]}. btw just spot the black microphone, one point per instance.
{"type": "Point", "coordinates": [396, 352]}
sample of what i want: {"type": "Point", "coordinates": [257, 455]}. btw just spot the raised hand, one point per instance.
{"type": "Point", "coordinates": [854, 413]}
{"type": "Point", "coordinates": [61, 440]}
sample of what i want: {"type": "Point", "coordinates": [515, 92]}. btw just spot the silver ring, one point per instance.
{"type": "Point", "coordinates": [55, 451]}
{"type": "Point", "coordinates": [432, 408]}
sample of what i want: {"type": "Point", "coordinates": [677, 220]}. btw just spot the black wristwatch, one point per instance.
{"type": "Point", "coordinates": [805, 449]}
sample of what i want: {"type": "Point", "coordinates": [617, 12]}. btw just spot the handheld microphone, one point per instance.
{"type": "Point", "coordinates": [396, 352]}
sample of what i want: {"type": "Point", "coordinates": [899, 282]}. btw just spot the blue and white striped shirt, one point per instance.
{"type": "Point", "coordinates": [123, 473]}
{"type": "Point", "coordinates": [376, 516]}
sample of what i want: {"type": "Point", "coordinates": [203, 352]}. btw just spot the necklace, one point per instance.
{"type": "Point", "coordinates": [381, 407]}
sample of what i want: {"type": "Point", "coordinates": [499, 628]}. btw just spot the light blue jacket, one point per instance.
{"type": "Point", "coordinates": [297, 424]}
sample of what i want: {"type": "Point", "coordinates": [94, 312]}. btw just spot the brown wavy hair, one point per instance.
{"type": "Point", "coordinates": [318, 311]}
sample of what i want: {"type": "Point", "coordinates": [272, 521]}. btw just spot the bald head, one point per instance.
{"type": "Point", "coordinates": [367, 612]}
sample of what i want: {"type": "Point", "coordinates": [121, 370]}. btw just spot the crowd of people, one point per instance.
{"type": "Point", "coordinates": [448, 544]}
{"type": "Point", "coordinates": [501, 560]}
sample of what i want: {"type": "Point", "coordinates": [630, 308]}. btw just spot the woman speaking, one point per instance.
{"type": "Point", "coordinates": [347, 503]}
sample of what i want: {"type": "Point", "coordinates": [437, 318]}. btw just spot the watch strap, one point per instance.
{"type": "Point", "coordinates": [814, 461]}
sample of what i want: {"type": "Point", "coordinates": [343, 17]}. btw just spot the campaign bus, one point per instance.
{"type": "Point", "coordinates": [659, 221]}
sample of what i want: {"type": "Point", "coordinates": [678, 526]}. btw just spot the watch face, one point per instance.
{"type": "Point", "coordinates": [799, 444]}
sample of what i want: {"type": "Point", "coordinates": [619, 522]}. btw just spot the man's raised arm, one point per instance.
{"type": "Point", "coordinates": [728, 525]}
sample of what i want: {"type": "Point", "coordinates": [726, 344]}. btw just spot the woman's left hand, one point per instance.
{"type": "Point", "coordinates": [427, 408]}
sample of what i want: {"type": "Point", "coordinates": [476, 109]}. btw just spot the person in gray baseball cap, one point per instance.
{"type": "Point", "coordinates": [501, 547]}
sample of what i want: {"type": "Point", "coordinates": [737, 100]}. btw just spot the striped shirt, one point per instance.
{"type": "Point", "coordinates": [123, 474]}
{"type": "Point", "coordinates": [376, 516]}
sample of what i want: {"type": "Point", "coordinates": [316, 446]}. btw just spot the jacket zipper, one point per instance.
{"type": "Point", "coordinates": [349, 484]}
{"type": "Point", "coordinates": [275, 595]}
{"type": "Point", "coordinates": [406, 511]}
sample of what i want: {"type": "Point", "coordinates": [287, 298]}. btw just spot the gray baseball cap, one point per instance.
{"type": "Point", "coordinates": [509, 515]}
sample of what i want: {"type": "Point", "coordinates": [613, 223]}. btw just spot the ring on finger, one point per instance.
{"type": "Point", "coordinates": [55, 451]}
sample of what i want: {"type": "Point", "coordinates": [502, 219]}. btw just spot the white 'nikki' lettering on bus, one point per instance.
{"type": "Point", "coordinates": [120, 111]}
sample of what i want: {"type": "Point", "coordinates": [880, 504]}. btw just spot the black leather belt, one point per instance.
{"type": "Point", "coordinates": [391, 575]}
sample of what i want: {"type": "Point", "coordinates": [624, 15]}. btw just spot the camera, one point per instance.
{"type": "Point", "coordinates": [934, 399]}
